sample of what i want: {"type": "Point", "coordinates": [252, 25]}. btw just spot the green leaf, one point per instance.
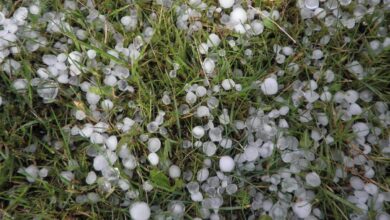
{"type": "Point", "coordinates": [265, 217]}
{"type": "Point", "coordinates": [305, 141]}
{"type": "Point", "coordinates": [104, 90]}
{"type": "Point", "coordinates": [160, 180]}
{"type": "Point", "coordinates": [269, 24]}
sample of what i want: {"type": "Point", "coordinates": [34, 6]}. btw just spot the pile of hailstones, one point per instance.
{"type": "Point", "coordinates": [265, 132]}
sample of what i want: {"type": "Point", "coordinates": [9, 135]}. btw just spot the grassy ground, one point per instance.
{"type": "Point", "coordinates": [25, 120]}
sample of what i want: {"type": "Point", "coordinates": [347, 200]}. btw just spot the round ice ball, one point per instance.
{"type": "Point", "coordinates": [226, 164]}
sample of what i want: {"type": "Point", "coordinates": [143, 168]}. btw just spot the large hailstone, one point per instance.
{"type": "Point", "coordinates": [313, 179]}
{"type": "Point", "coordinates": [238, 16]}
{"type": "Point", "coordinates": [302, 209]}
{"type": "Point", "coordinates": [100, 163]}
{"type": "Point", "coordinates": [140, 211]}
{"type": "Point", "coordinates": [269, 86]}
{"type": "Point", "coordinates": [198, 132]}
{"type": "Point", "coordinates": [226, 3]}
{"type": "Point", "coordinates": [208, 66]}
{"type": "Point", "coordinates": [226, 164]}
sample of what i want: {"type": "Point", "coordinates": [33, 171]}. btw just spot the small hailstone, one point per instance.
{"type": "Point", "coordinates": [226, 164]}
{"type": "Point", "coordinates": [209, 148]}
{"type": "Point", "coordinates": [269, 86]}
{"type": "Point", "coordinates": [191, 98]}
{"type": "Point", "coordinates": [215, 134]}
{"type": "Point", "coordinates": [371, 188]}
{"type": "Point", "coordinates": [92, 98]}
{"type": "Point", "coordinates": [201, 91]}
{"type": "Point", "coordinates": [91, 54]}
{"type": "Point", "coordinates": [238, 16]}
{"type": "Point", "coordinates": [153, 159]}
{"type": "Point", "coordinates": [86, 131]}
{"type": "Point", "coordinates": [174, 171]}
{"type": "Point", "coordinates": [139, 211]}
{"type": "Point", "coordinates": [360, 129]}
{"type": "Point", "coordinates": [356, 183]}
{"type": "Point", "coordinates": [80, 115]}
{"type": "Point", "coordinates": [202, 111]}
{"type": "Point", "coordinates": [208, 66]}
{"type": "Point", "coordinates": [313, 179]}
{"type": "Point", "coordinates": [198, 132]}
{"type": "Point", "coordinates": [202, 174]}
{"type": "Point", "coordinates": [317, 54]}
{"type": "Point", "coordinates": [100, 163]}
{"type": "Point", "coordinates": [107, 105]}
{"type": "Point", "coordinates": [152, 127]}
{"type": "Point", "coordinates": [288, 51]}
{"type": "Point", "coordinates": [302, 209]}
{"type": "Point", "coordinates": [32, 173]}
{"type": "Point", "coordinates": [43, 172]}
{"type": "Point", "coordinates": [19, 85]}
{"type": "Point", "coordinates": [126, 20]}
{"type": "Point", "coordinates": [154, 144]}
{"type": "Point", "coordinates": [203, 48]}
{"type": "Point", "coordinates": [213, 40]}
{"type": "Point", "coordinates": [312, 4]}
{"type": "Point", "coordinates": [251, 153]}
{"type": "Point", "coordinates": [226, 3]}
{"type": "Point", "coordinates": [111, 142]}
{"type": "Point", "coordinates": [228, 84]}
{"type": "Point", "coordinates": [91, 178]}
{"type": "Point", "coordinates": [34, 9]}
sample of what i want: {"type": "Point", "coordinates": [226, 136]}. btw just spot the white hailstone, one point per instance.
{"type": "Point", "coordinates": [129, 162]}
{"type": "Point", "coordinates": [356, 183]}
{"type": "Point", "coordinates": [92, 98]}
{"type": "Point", "coordinates": [209, 148]}
{"type": "Point", "coordinates": [80, 115]}
{"type": "Point", "coordinates": [107, 105]}
{"type": "Point", "coordinates": [238, 16]}
{"type": "Point", "coordinates": [202, 111]}
{"type": "Point", "coordinates": [288, 51]}
{"type": "Point", "coordinates": [91, 54]}
{"type": "Point", "coordinates": [154, 144]}
{"type": "Point", "coordinates": [198, 132]}
{"type": "Point", "coordinates": [313, 179]}
{"type": "Point", "coordinates": [86, 131]}
{"type": "Point", "coordinates": [67, 175]}
{"type": "Point", "coordinates": [20, 14]}
{"type": "Point", "coordinates": [317, 55]}
{"type": "Point", "coordinates": [43, 172]}
{"type": "Point", "coordinates": [111, 142]}
{"type": "Point", "coordinates": [226, 143]}
{"type": "Point", "coordinates": [174, 171]}
{"type": "Point", "coordinates": [152, 127]}
{"type": "Point", "coordinates": [202, 174]}
{"type": "Point", "coordinates": [251, 153]}
{"type": "Point", "coordinates": [20, 85]}
{"type": "Point", "coordinates": [208, 66]}
{"type": "Point", "coordinates": [191, 98]}
{"type": "Point", "coordinates": [153, 159]}
{"type": "Point", "coordinates": [371, 188]}
{"type": "Point", "coordinates": [280, 58]}
{"type": "Point", "coordinates": [351, 96]}
{"type": "Point", "coordinates": [110, 80]}
{"type": "Point", "coordinates": [100, 163]}
{"type": "Point", "coordinates": [215, 134]}
{"type": "Point", "coordinates": [226, 3]}
{"type": "Point", "coordinates": [91, 178]}
{"type": "Point", "coordinates": [354, 109]}
{"type": "Point", "coordinates": [34, 9]}
{"type": "Point", "coordinates": [32, 173]}
{"type": "Point", "coordinates": [269, 86]}
{"type": "Point", "coordinates": [201, 91]}
{"type": "Point", "coordinates": [226, 164]}
{"type": "Point", "coordinates": [213, 40]}
{"type": "Point", "coordinates": [126, 20]}
{"type": "Point", "coordinates": [203, 48]}
{"type": "Point", "coordinates": [302, 209]}
{"type": "Point", "coordinates": [239, 28]}
{"type": "Point", "coordinates": [312, 4]}
{"type": "Point", "coordinates": [139, 211]}
{"type": "Point", "coordinates": [96, 138]}
{"type": "Point", "coordinates": [311, 96]}
{"type": "Point", "coordinates": [228, 84]}
{"type": "Point", "coordinates": [257, 27]}
{"type": "Point", "coordinates": [356, 68]}
{"type": "Point", "coordinates": [361, 129]}
{"type": "Point", "coordinates": [197, 197]}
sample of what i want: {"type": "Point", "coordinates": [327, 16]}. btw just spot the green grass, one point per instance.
{"type": "Point", "coordinates": [25, 120]}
